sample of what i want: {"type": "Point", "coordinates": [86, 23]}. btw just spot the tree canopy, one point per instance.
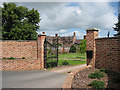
{"type": "Point", "coordinates": [117, 26]}
{"type": "Point", "coordinates": [82, 46]}
{"type": "Point", "coordinates": [19, 23]}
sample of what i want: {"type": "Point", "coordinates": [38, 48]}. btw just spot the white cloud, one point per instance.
{"type": "Point", "coordinates": [78, 11]}
{"type": "Point", "coordinates": [60, 17]}
{"type": "Point", "coordinates": [1, 2]}
{"type": "Point", "coordinates": [86, 15]}
{"type": "Point", "coordinates": [63, 0]}
{"type": "Point", "coordinates": [78, 34]}
{"type": "Point", "coordinates": [62, 31]}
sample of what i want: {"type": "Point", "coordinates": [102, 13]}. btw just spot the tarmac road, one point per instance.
{"type": "Point", "coordinates": [32, 79]}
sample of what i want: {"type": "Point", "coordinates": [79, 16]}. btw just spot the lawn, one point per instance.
{"type": "Point", "coordinates": [72, 62]}
{"type": "Point", "coordinates": [72, 56]}
{"type": "Point", "coordinates": [66, 57]}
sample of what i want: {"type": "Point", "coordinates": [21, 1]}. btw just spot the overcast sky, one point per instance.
{"type": "Point", "coordinates": [65, 18]}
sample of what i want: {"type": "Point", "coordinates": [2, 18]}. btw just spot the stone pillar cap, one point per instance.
{"type": "Point", "coordinates": [43, 34]}
{"type": "Point", "coordinates": [56, 35]}
{"type": "Point", "coordinates": [92, 29]}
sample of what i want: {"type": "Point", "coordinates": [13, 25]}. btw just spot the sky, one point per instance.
{"type": "Point", "coordinates": [64, 18]}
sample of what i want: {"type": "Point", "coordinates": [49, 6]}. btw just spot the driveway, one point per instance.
{"type": "Point", "coordinates": [66, 69]}
{"type": "Point", "coordinates": [32, 79]}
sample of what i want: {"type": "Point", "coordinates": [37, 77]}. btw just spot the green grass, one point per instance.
{"type": "Point", "coordinates": [9, 58]}
{"type": "Point", "coordinates": [72, 56]}
{"type": "Point", "coordinates": [72, 62]}
{"type": "Point", "coordinates": [64, 57]}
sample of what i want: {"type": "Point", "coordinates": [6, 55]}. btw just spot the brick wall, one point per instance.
{"type": "Point", "coordinates": [32, 50]}
{"type": "Point", "coordinates": [21, 64]}
{"type": "Point", "coordinates": [108, 53]}
{"type": "Point", "coordinates": [19, 49]}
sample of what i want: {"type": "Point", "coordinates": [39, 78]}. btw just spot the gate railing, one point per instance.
{"type": "Point", "coordinates": [50, 54]}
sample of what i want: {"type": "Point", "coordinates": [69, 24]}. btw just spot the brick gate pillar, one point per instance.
{"type": "Point", "coordinates": [92, 33]}
{"type": "Point", "coordinates": [41, 39]}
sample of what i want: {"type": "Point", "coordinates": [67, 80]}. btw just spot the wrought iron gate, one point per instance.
{"type": "Point", "coordinates": [50, 53]}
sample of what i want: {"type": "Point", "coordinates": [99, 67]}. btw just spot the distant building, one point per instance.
{"type": "Point", "coordinates": [65, 42]}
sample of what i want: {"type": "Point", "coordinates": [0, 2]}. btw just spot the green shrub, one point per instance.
{"type": "Point", "coordinates": [51, 64]}
{"type": "Point", "coordinates": [4, 58]}
{"type": "Point", "coordinates": [72, 49]}
{"type": "Point", "coordinates": [96, 74]}
{"type": "Point", "coordinates": [65, 63]}
{"type": "Point", "coordinates": [103, 70]}
{"type": "Point", "coordinates": [64, 52]}
{"type": "Point", "coordinates": [11, 58]}
{"type": "Point", "coordinates": [97, 84]}
{"type": "Point", "coordinates": [23, 57]}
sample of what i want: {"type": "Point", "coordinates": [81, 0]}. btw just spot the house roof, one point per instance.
{"type": "Point", "coordinates": [66, 41]}
{"type": "Point", "coordinates": [77, 42]}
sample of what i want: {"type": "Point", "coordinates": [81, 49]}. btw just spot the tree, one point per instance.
{"type": "Point", "coordinates": [19, 23]}
{"type": "Point", "coordinates": [82, 46]}
{"type": "Point", "coordinates": [117, 26]}
{"type": "Point", "coordinates": [72, 49]}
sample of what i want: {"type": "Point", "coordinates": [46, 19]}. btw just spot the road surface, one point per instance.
{"type": "Point", "coordinates": [32, 79]}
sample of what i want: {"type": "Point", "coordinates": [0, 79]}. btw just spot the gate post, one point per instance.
{"type": "Point", "coordinates": [92, 34]}
{"type": "Point", "coordinates": [41, 39]}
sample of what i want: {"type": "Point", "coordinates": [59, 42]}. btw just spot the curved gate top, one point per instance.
{"type": "Point", "coordinates": [50, 53]}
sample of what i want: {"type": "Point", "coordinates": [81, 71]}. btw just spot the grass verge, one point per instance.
{"type": "Point", "coordinates": [72, 62]}
{"type": "Point", "coordinates": [72, 56]}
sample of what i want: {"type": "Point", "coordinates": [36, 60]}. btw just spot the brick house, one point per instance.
{"type": "Point", "coordinates": [65, 41]}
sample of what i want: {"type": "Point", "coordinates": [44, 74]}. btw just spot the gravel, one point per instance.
{"type": "Point", "coordinates": [81, 79]}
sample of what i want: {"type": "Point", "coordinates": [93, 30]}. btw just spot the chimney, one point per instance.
{"type": "Point", "coordinates": [74, 34]}
{"type": "Point", "coordinates": [43, 32]}
{"type": "Point", "coordinates": [56, 35]}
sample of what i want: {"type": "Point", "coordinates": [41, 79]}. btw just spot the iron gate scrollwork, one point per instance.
{"type": "Point", "coordinates": [50, 53]}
